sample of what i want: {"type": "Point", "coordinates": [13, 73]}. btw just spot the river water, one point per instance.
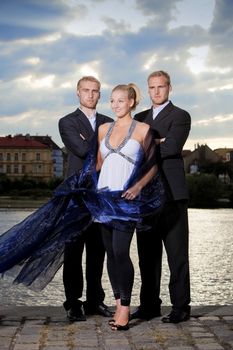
{"type": "Point", "coordinates": [211, 264]}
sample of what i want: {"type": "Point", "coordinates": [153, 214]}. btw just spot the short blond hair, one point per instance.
{"type": "Point", "coordinates": [88, 78]}
{"type": "Point", "coordinates": [160, 73]}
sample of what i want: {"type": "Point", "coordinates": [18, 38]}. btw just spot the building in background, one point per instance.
{"type": "Point", "coordinates": [225, 154]}
{"type": "Point", "coordinates": [202, 155]}
{"type": "Point", "coordinates": [22, 156]}
{"type": "Point", "coordinates": [57, 154]}
{"type": "Point", "coordinates": [205, 160]}
{"type": "Point", "coordinates": [41, 159]}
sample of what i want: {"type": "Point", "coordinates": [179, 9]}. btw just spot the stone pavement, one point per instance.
{"type": "Point", "coordinates": [46, 328]}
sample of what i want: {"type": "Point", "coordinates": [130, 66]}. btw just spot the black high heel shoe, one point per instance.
{"type": "Point", "coordinates": [118, 327]}
{"type": "Point", "coordinates": [112, 321]}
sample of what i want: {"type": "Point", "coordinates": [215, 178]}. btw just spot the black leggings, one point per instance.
{"type": "Point", "coordinates": [119, 264]}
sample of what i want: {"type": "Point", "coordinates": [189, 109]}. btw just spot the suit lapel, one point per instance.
{"type": "Point", "coordinates": [148, 117]}
{"type": "Point", "coordinates": [165, 111]}
{"type": "Point", "coordinates": [100, 119]}
{"type": "Point", "coordinates": [84, 120]}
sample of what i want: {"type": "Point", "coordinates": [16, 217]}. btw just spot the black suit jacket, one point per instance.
{"type": "Point", "coordinates": [70, 128]}
{"type": "Point", "coordinates": [172, 123]}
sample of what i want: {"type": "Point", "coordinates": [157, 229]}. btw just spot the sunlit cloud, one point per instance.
{"type": "Point", "coordinates": [212, 142]}
{"type": "Point", "coordinates": [214, 120]}
{"type": "Point", "coordinates": [45, 47]}
{"type": "Point", "coordinates": [91, 68]}
{"type": "Point", "coordinates": [8, 48]}
{"type": "Point", "coordinates": [150, 62]}
{"type": "Point", "coordinates": [172, 58]}
{"type": "Point", "coordinates": [197, 63]}
{"type": "Point", "coordinates": [32, 60]}
{"type": "Point", "coordinates": [32, 118]}
{"type": "Point", "coordinates": [67, 85]}
{"type": "Point", "coordinates": [92, 18]}
{"type": "Point", "coordinates": [14, 119]}
{"type": "Point", "coordinates": [33, 82]}
{"type": "Point", "coordinates": [221, 88]}
{"type": "Point", "coordinates": [106, 86]}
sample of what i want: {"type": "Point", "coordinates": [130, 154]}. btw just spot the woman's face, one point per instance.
{"type": "Point", "coordinates": [120, 103]}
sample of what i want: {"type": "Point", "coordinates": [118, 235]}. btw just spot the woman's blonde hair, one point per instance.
{"type": "Point", "coordinates": [133, 92]}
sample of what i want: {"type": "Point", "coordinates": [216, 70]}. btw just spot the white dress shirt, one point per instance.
{"type": "Point", "coordinates": [92, 119]}
{"type": "Point", "coordinates": [157, 110]}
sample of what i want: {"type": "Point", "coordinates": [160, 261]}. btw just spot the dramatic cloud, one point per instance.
{"type": "Point", "coordinates": [45, 47]}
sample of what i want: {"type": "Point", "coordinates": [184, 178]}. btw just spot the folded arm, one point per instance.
{"type": "Point", "coordinates": [73, 139]}
{"type": "Point", "coordinates": [176, 136]}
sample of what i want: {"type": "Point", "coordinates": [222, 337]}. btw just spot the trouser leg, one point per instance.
{"type": "Point", "coordinates": [149, 245]}
{"type": "Point", "coordinates": [72, 272]}
{"type": "Point", "coordinates": [176, 245]}
{"type": "Point", "coordinates": [95, 253]}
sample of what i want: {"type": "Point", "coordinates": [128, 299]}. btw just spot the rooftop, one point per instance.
{"type": "Point", "coordinates": [20, 141]}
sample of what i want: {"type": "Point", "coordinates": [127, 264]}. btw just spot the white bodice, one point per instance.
{"type": "Point", "coordinates": [117, 167]}
{"type": "Point", "coordinates": [118, 162]}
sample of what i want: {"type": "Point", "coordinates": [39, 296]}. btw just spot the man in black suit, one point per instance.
{"type": "Point", "coordinates": [77, 132]}
{"type": "Point", "coordinates": [171, 126]}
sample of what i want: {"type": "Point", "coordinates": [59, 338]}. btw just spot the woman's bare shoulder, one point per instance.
{"type": "Point", "coordinates": [103, 128]}
{"type": "Point", "coordinates": [143, 127]}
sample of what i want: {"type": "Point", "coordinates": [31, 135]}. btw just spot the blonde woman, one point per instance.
{"type": "Point", "coordinates": [119, 145]}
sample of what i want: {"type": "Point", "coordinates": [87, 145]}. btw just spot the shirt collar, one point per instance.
{"type": "Point", "coordinates": [92, 118]}
{"type": "Point", "coordinates": [157, 110]}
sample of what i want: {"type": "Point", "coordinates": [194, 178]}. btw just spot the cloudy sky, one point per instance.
{"type": "Point", "coordinates": [46, 46]}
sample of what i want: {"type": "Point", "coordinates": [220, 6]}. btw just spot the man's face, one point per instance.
{"type": "Point", "coordinates": [158, 89]}
{"type": "Point", "coordinates": [89, 94]}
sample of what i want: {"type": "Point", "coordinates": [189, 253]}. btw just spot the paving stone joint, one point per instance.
{"type": "Point", "coordinates": [46, 328]}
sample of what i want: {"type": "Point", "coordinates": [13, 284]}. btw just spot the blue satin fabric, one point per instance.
{"type": "Point", "coordinates": [32, 251]}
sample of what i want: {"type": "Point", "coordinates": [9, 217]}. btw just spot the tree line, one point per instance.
{"type": "Point", "coordinates": [205, 189]}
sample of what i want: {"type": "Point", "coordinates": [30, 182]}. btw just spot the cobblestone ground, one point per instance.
{"type": "Point", "coordinates": [53, 332]}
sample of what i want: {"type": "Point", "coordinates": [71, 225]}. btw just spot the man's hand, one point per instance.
{"type": "Point", "coordinates": [158, 141]}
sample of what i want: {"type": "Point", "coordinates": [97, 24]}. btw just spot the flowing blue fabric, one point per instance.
{"type": "Point", "coordinates": [32, 251]}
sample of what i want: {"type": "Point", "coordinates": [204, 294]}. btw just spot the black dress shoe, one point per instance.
{"type": "Point", "coordinates": [76, 314]}
{"type": "Point", "coordinates": [145, 315]}
{"type": "Point", "coordinates": [103, 310]}
{"type": "Point", "coordinates": [176, 316]}
{"type": "Point", "coordinates": [100, 309]}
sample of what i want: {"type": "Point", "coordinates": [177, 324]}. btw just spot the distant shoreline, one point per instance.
{"type": "Point", "coordinates": [21, 203]}
{"type": "Point", "coordinates": [7, 202]}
